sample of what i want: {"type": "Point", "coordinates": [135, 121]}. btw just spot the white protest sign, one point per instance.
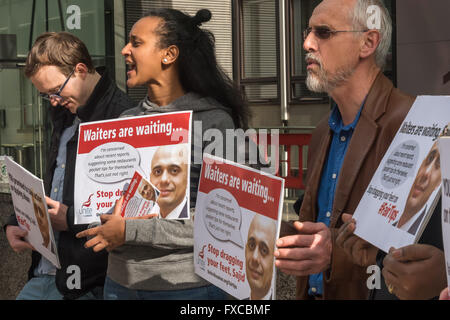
{"type": "Point", "coordinates": [30, 207]}
{"type": "Point", "coordinates": [237, 222]}
{"type": "Point", "coordinates": [111, 151]}
{"type": "Point", "coordinates": [405, 188]}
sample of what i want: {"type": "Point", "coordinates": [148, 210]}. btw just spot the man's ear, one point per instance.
{"type": "Point", "coordinates": [170, 55]}
{"type": "Point", "coordinates": [81, 70]}
{"type": "Point", "coordinates": [370, 43]}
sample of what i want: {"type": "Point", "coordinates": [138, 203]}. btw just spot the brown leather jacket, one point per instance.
{"type": "Point", "coordinates": [383, 112]}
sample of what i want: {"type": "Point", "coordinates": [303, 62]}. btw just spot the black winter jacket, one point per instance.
{"type": "Point", "coordinates": [106, 102]}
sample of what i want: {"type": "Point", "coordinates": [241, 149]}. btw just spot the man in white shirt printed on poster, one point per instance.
{"type": "Point", "coordinates": [169, 172]}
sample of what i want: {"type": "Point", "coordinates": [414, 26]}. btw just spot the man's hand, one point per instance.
{"type": "Point", "coordinates": [358, 250]}
{"type": "Point", "coordinates": [58, 214]}
{"type": "Point", "coordinates": [415, 272]}
{"type": "Point", "coordinates": [307, 252]}
{"type": "Point", "coordinates": [15, 236]}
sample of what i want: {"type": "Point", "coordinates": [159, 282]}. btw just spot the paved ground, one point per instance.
{"type": "Point", "coordinates": [285, 286]}
{"type": "Point", "coordinates": [14, 267]}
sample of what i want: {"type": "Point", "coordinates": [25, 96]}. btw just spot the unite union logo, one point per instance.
{"type": "Point", "coordinates": [85, 211]}
{"type": "Point", "coordinates": [87, 204]}
{"type": "Point", "coordinates": [201, 256]}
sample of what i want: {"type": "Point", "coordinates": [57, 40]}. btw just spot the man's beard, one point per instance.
{"type": "Point", "coordinates": [323, 81]}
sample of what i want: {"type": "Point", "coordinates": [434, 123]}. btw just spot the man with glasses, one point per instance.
{"type": "Point", "coordinates": [345, 57]}
{"type": "Point", "coordinates": [61, 69]}
{"type": "Point", "coordinates": [56, 96]}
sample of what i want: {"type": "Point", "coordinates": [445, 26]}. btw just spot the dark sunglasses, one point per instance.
{"type": "Point", "coordinates": [325, 32]}
{"type": "Point", "coordinates": [56, 95]}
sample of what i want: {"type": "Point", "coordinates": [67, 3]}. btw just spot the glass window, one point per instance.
{"type": "Point", "coordinates": [92, 25]}
{"type": "Point", "coordinates": [258, 40]}
{"type": "Point", "coordinates": [24, 125]}
{"type": "Point", "coordinates": [301, 11]}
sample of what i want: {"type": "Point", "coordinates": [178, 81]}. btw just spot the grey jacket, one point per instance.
{"type": "Point", "coordinates": [158, 253]}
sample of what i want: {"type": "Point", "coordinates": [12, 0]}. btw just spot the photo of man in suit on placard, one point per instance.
{"type": "Point", "coordinates": [41, 218]}
{"type": "Point", "coordinates": [147, 191]}
{"type": "Point", "coordinates": [428, 178]}
{"type": "Point", "coordinates": [259, 257]}
{"type": "Point", "coordinates": [169, 174]}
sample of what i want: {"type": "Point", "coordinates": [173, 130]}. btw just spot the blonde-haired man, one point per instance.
{"type": "Point", "coordinates": [61, 69]}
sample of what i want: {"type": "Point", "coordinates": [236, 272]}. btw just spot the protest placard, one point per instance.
{"type": "Point", "coordinates": [111, 151]}
{"type": "Point", "coordinates": [30, 207]}
{"type": "Point", "coordinates": [405, 188]}
{"type": "Point", "coordinates": [236, 224]}
{"type": "Point", "coordinates": [444, 149]}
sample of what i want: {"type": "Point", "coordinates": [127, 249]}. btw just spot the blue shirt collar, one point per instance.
{"type": "Point", "coordinates": [335, 120]}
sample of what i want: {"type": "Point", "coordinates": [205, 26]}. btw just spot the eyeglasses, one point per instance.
{"type": "Point", "coordinates": [324, 33]}
{"type": "Point", "coordinates": [56, 96]}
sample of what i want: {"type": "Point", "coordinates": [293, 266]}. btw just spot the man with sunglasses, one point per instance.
{"type": "Point", "coordinates": [345, 57]}
{"type": "Point", "coordinates": [61, 69]}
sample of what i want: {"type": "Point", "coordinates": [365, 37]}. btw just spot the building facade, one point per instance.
{"type": "Point", "coordinates": [258, 44]}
